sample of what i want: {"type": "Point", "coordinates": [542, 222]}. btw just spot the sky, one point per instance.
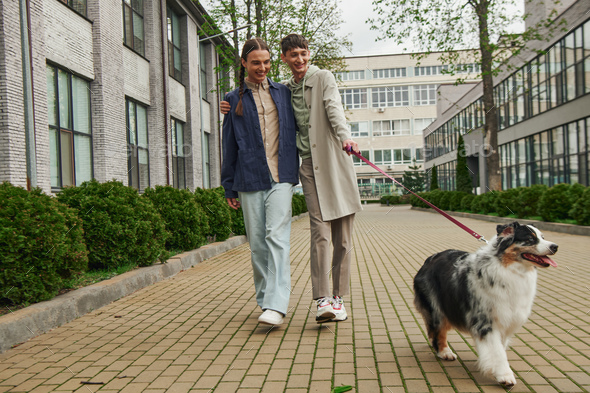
{"type": "Point", "coordinates": [354, 14]}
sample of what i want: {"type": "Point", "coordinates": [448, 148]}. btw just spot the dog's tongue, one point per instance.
{"type": "Point", "coordinates": [548, 260]}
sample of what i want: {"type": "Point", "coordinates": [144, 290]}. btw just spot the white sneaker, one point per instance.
{"type": "Point", "coordinates": [325, 310]}
{"type": "Point", "coordinates": [271, 317]}
{"type": "Point", "coordinates": [339, 310]}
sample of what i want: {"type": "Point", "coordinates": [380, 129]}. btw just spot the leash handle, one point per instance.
{"type": "Point", "coordinates": [447, 216]}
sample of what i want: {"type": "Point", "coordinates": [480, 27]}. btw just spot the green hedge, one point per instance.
{"type": "Point", "coordinates": [554, 203]}
{"type": "Point", "coordinates": [215, 206]}
{"type": "Point", "coordinates": [46, 241]}
{"type": "Point", "coordinates": [506, 202]}
{"type": "Point", "coordinates": [41, 244]}
{"type": "Point", "coordinates": [392, 199]}
{"type": "Point", "coordinates": [456, 199]}
{"type": "Point", "coordinates": [120, 226]}
{"type": "Point", "coordinates": [558, 203]}
{"type": "Point", "coordinates": [299, 206]}
{"type": "Point", "coordinates": [183, 217]}
{"type": "Point", "coordinates": [466, 202]}
{"type": "Point", "coordinates": [528, 199]}
{"type": "Point", "coordinates": [581, 208]}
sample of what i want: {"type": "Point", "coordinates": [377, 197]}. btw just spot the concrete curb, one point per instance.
{"type": "Point", "coordinates": [542, 225]}
{"type": "Point", "coordinates": [39, 318]}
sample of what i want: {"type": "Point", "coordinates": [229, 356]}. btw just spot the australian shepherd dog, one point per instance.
{"type": "Point", "coordinates": [488, 294]}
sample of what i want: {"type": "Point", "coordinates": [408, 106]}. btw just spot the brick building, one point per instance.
{"type": "Point", "coordinates": [113, 89]}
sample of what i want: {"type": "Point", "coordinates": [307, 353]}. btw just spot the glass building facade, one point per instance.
{"type": "Point", "coordinates": [558, 155]}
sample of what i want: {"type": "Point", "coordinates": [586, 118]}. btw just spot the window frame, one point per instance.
{"type": "Point", "coordinates": [71, 4]}
{"type": "Point", "coordinates": [174, 46]}
{"type": "Point", "coordinates": [133, 149]}
{"type": "Point", "coordinates": [128, 6]}
{"type": "Point", "coordinates": [359, 98]}
{"type": "Point", "coordinates": [73, 135]}
{"type": "Point", "coordinates": [178, 160]}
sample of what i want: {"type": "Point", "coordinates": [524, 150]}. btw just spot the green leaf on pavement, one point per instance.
{"type": "Point", "coordinates": [342, 389]}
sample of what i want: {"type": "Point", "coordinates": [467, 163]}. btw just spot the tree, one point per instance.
{"type": "Point", "coordinates": [317, 20]}
{"type": "Point", "coordinates": [464, 182]}
{"type": "Point", "coordinates": [434, 179]}
{"type": "Point", "coordinates": [449, 26]}
{"type": "Point", "coordinates": [414, 179]}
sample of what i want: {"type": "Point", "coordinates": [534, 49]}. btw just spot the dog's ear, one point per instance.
{"type": "Point", "coordinates": [504, 230]}
{"type": "Point", "coordinates": [507, 230]}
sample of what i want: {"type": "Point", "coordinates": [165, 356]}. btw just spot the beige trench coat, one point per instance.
{"type": "Point", "coordinates": [334, 174]}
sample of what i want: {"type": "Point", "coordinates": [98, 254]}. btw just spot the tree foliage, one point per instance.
{"type": "Point", "coordinates": [464, 182]}
{"type": "Point", "coordinates": [317, 20]}
{"type": "Point", "coordinates": [415, 178]}
{"type": "Point", "coordinates": [434, 179]}
{"type": "Point", "coordinates": [447, 27]}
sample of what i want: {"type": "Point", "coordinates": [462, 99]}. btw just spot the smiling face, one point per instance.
{"type": "Point", "coordinates": [297, 59]}
{"type": "Point", "coordinates": [257, 65]}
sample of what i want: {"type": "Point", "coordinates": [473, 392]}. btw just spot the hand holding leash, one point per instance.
{"type": "Point", "coordinates": [350, 146]}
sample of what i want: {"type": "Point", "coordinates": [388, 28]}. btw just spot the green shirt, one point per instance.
{"type": "Point", "coordinates": [301, 112]}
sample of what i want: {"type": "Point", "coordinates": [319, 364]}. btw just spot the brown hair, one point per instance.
{"type": "Point", "coordinates": [249, 46]}
{"type": "Point", "coordinates": [293, 41]}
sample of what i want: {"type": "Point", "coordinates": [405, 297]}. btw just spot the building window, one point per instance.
{"type": "Point", "coordinates": [357, 161]}
{"type": "Point", "coordinates": [467, 68]}
{"type": "Point", "coordinates": [550, 80]}
{"type": "Point", "coordinates": [402, 156]}
{"type": "Point", "coordinates": [174, 59]}
{"type": "Point", "coordinates": [389, 73]}
{"type": "Point", "coordinates": [203, 71]}
{"type": "Point", "coordinates": [391, 127]}
{"type": "Point", "coordinates": [133, 25]}
{"type": "Point", "coordinates": [354, 98]}
{"type": "Point", "coordinates": [206, 162]}
{"type": "Point", "coordinates": [558, 155]}
{"type": "Point", "coordinates": [419, 156]}
{"type": "Point", "coordinates": [359, 129]}
{"type": "Point", "coordinates": [178, 156]}
{"type": "Point", "coordinates": [430, 70]}
{"type": "Point", "coordinates": [137, 145]}
{"type": "Point", "coordinates": [70, 132]}
{"type": "Point", "coordinates": [422, 124]}
{"type": "Point", "coordinates": [382, 157]}
{"type": "Point", "coordinates": [425, 95]}
{"type": "Point", "coordinates": [77, 5]}
{"type": "Point", "coordinates": [351, 75]}
{"type": "Point", "coordinates": [390, 96]}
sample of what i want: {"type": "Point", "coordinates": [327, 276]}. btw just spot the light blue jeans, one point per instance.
{"type": "Point", "coordinates": [267, 217]}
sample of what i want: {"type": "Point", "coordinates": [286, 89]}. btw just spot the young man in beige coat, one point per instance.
{"type": "Point", "coordinates": [326, 174]}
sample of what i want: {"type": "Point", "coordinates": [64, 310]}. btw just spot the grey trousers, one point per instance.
{"type": "Point", "coordinates": [340, 231]}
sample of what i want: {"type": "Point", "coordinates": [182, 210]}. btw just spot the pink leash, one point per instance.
{"type": "Point", "coordinates": [465, 228]}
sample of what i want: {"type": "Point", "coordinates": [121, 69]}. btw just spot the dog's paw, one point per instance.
{"type": "Point", "coordinates": [506, 379]}
{"type": "Point", "coordinates": [446, 354]}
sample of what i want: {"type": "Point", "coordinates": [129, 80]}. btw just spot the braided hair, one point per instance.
{"type": "Point", "coordinates": [249, 46]}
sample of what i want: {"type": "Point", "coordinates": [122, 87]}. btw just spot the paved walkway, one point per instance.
{"type": "Point", "coordinates": [198, 331]}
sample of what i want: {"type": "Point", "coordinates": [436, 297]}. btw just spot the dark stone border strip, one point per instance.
{"type": "Point", "coordinates": [542, 225]}
{"type": "Point", "coordinates": [39, 318]}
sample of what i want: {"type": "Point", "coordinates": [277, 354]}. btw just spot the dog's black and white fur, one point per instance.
{"type": "Point", "coordinates": [488, 294]}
